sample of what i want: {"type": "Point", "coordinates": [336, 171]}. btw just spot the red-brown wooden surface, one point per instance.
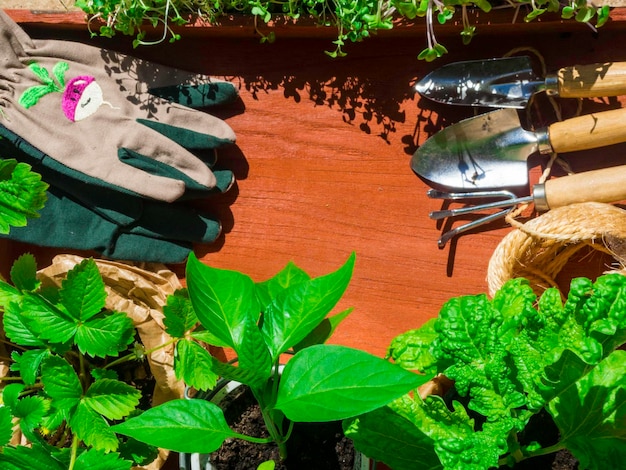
{"type": "Point", "coordinates": [322, 159]}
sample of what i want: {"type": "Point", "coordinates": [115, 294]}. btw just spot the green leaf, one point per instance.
{"type": "Point", "coordinates": [180, 316]}
{"type": "Point", "coordinates": [11, 394]}
{"type": "Point", "coordinates": [180, 425]}
{"type": "Point", "coordinates": [207, 337]}
{"type": "Point", "coordinates": [61, 383]}
{"type": "Point", "coordinates": [94, 459]}
{"type": "Point", "coordinates": [603, 15]}
{"type": "Point", "coordinates": [31, 411]}
{"type": "Point", "coordinates": [407, 448]}
{"type": "Point", "coordinates": [24, 273]}
{"type": "Point", "coordinates": [28, 364]}
{"type": "Point", "coordinates": [112, 398]}
{"type": "Point", "coordinates": [296, 311]}
{"type": "Point", "coordinates": [17, 329]}
{"type": "Point", "coordinates": [193, 365]}
{"type": "Point", "coordinates": [22, 194]}
{"type": "Point", "coordinates": [222, 300]}
{"type": "Point", "coordinates": [585, 14]}
{"type": "Point", "coordinates": [412, 349]}
{"type": "Point", "coordinates": [6, 425]}
{"type": "Point", "coordinates": [92, 429]}
{"type": "Point", "coordinates": [322, 332]}
{"type": "Point", "coordinates": [591, 416]}
{"type": "Point", "coordinates": [98, 374]}
{"type": "Point", "coordinates": [29, 458]}
{"type": "Point", "coordinates": [254, 355]}
{"type": "Point", "coordinates": [82, 292]}
{"type": "Point", "coordinates": [330, 383]}
{"type": "Point", "coordinates": [238, 374]}
{"type": "Point", "coordinates": [105, 335]}
{"type": "Point", "coordinates": [46, 320]}
{"type": "Point", "coordinates": [290, 275]}
{"type": "Point", "coordinates": [267, 465]}
{"type": "Point", "coordinates": [8, 294]}
{"type": "Point", "coordinates": [137, 452]}
{"type": "Point", "coordinates": [568, 12]}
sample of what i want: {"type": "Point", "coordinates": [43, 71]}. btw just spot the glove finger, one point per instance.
{"type": "Point", "coordinates": [64, 224]}
{"type": "Point", "coordinates": [141, 76]}
{"type": "Point", "coordinates": [203, 132]}
{"type": "Point", "coordinates": [175, 222]}
{"type": "Point", "coordinates": [132, 247]}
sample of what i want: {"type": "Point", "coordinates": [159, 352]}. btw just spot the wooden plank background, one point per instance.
{"type": "Point", "coordinates": [323, 151]}
{"type": "Point", "coordinates": [322, 160]}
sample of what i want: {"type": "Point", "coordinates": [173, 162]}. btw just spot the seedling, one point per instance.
{"type": "Point", "coordinates": [261, 322]}
{"type": "Point", "coordinates": [354, 20]}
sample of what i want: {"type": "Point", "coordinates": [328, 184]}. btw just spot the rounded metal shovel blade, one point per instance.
{"type": "Point", "coordinates": [483, 152]}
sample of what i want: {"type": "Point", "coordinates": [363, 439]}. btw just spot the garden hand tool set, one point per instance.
{"type": "Point", "coordinates": [481, 157]}
{"type": "Point", "coordinates": [119, 140]}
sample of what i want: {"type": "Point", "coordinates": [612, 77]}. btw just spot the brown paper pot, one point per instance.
{"type": "Point", "coordinates": [540, 248]}
{"type": "Point", "coordinates": [141, 292]}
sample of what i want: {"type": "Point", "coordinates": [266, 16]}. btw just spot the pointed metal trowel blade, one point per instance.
{"type": "Point", "coordinates": [501, 83]}
{"type": "Point", "coordinates": [484, 152]}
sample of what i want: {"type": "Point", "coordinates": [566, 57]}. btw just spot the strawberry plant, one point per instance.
{"type": "Point", "coordinates": [518, 366]}
{"type": "Point", "coordinates": [63, 389]}
{"type": "Point", "coordinates": [354, 20]}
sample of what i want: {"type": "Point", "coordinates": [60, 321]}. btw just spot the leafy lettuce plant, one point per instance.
{"type": "Point", "coordinates": [260, 322]}
{"type": "Point", "coordinates": [513, 360]}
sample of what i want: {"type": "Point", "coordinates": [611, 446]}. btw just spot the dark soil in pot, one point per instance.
{"type": "Point", "coordinates": [542, 429]}
{"type": "Point", "coordinates": [313, 446]}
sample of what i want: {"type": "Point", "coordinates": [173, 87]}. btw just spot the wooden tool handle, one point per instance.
{"type": "Point", "coordinates": [606, 185]}
{"type": "Point", "coordinates": [589, 131]}
{"type": "Point", "coordinates": [586, 81]}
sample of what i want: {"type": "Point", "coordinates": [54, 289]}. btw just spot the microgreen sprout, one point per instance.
{"type": "Point", "coordinates": [354, 20]}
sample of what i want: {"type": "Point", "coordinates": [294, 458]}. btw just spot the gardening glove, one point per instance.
{"type": "Point", "coordinates": [117, 225]}
{"type": "Point", "coordinates": [120, 120]}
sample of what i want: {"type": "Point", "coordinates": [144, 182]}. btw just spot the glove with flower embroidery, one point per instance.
{"type": "Point", "coordinates": [123, 122]}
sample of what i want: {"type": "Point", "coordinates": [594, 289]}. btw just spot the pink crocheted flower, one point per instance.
{"type": "Point", "coordinates": [81, 98]}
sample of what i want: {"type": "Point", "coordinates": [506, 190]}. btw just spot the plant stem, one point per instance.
{"type": "Point", "coordinates": [275, 435]}
{"type": "Point", "coordinates": [74, 452]}
{"type": "Point", "coordinates": [255, 440]}
{"type": "Point", "coordinates": [132, 356]}
{"type": "Point", "coordinates": [160, 346]}
{"type": "Point", "coordinates": [547, 450]}
{"type": "Point", "coordinates": [10, 379]}
{"type": "Point", "coordinates": [537, 453]}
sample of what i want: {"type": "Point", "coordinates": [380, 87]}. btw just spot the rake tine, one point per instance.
{"type": "Point", "coordinates": [447, 236]}
{"type": "Point", "coordinates": [508, 201]}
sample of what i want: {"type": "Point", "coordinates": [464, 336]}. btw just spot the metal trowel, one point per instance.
{"type": "Point", "coordinates": [491, 150]}
{"type": "Point", "coordinates": [510, 82]}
